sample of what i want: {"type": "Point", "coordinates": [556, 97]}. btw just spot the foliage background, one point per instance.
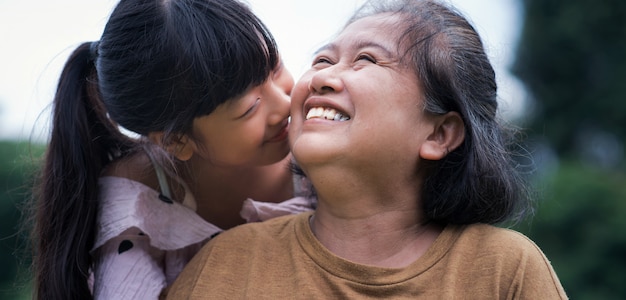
{"type": "Point", "coordinates": [18, 162]}
{"type": "Point", "coordinates": [572, 58]}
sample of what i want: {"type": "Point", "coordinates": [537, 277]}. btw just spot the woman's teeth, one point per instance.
{"type": "Point", "coordinates": [326, 113]}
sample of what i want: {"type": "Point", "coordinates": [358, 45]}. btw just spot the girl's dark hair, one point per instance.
{"type": "Point", "coordinates": [158, 65]}
{"type": "Point", "coordinates": [477, 182]}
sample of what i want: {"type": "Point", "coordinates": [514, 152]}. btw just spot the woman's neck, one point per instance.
{"type": "Point", "coordinates": [386, 240]}
{"type": "Point", "coordinates": [374, 220]}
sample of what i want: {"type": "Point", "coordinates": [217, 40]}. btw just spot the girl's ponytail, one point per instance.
{"type": "Point", "coordinates": [82, 141]}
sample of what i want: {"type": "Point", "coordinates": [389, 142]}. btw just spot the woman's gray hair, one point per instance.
{"type": "Point", "coordinates": [479, 181]}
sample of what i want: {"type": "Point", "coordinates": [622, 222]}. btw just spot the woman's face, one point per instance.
{"type": "Point", "coordinates": [358, 104]}
{"type": "Point", "coordinates": [250, 130]}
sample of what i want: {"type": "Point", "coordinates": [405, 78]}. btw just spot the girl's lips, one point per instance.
{"type": "Point", "coordinates": [281, 135]}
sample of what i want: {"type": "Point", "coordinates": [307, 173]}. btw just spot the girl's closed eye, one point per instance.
{"type": "Point", "coordinates": [251, 109]}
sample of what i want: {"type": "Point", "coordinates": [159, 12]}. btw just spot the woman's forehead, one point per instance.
{"type": "Point", "coordinates": [379, 29]}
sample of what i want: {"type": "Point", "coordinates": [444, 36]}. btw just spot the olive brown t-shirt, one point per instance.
{"type": "Point", "coordinates": [282, 259]}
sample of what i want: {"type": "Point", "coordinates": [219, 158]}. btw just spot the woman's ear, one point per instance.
{"type": "Point", "coordinates": [448, 134]}
{"type": "Point", "coordinates": [181, 146]}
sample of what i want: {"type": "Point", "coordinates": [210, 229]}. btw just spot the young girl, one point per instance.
{"type": "Point", "coordinates": [395, 125]}
{"type": "Point", "coordinates": [201, 85]}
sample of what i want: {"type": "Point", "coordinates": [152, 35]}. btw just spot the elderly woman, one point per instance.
{"type": "Point", "coordinates": [395, 125]}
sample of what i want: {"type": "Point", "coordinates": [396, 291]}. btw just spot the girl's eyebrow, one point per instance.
{"type": "Point", "coordinates": [279, 65]}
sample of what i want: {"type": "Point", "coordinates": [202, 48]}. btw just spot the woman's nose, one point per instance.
{"type": "Point", "coordinates": [326, 80]}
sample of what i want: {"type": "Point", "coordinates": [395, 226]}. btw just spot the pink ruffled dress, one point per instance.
{"type": "Point", "coordinates": [144, 239]}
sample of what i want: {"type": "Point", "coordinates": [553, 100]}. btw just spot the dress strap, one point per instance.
{"type": "Point", "coordinates": [166, 195]}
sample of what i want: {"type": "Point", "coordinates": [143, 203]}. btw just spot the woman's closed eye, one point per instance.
{"type": "Point", "coordinates": [322, 60]}
{"type": "Point", "coordinates": [366, 57]}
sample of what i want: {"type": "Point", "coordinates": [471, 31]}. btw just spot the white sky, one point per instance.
{"type": "Point", "coordinates": [37, 36]}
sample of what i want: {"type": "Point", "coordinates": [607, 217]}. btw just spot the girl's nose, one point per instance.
{"type": "Point", "coordinates": [281, 91]}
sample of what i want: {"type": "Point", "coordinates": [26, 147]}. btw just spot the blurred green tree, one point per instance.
{"type": "Point", "coordinates": [580, 226]}
{"type": "Point", "coordinates": [571, 56]}
{"type": "Point", "coordinates": [16, 169]}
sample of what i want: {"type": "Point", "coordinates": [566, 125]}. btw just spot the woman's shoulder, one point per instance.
{"type": "Point", "coordinates": [496, 233]}
{"type": "Point", "coordinates": [510, 253]}
{"type": "Point", "coordinates": [275, 228]}
{"type": "Point", "coordinates": [503, 246]}
{"type": "Point", "coordinates": [253, 237]}
{"type": "Point", "coordinates": [497, 238]}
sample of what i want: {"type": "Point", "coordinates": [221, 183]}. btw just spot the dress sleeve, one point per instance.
{"type": "Point", "coordinates": [256, 211]}
{"type": "Point", "coordinates": [127, 267]}
{"type": "Point", "coordinates": [142, 242]}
